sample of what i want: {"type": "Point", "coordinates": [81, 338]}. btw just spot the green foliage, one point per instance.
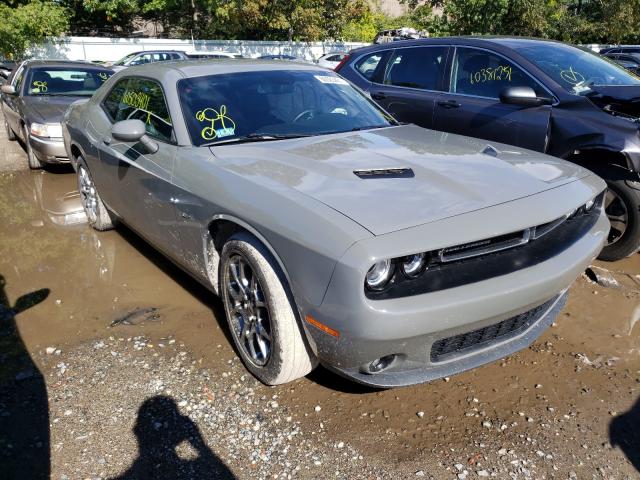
{"type": "Point", "coordinates": [576, 21]}
{"type": "Point", "coordinates": [29, 24]}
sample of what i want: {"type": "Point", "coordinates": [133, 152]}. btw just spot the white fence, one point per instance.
{"type": "Point", "coordinates": [111, 49]}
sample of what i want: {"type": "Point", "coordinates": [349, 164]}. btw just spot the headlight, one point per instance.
{"type": "Point", "coordinates": [51, 130]}
{"type": "Point", "coordinates": [414, 264]}
{"type": "Point", "coordinates": [379, 274]}
{"type": "Point", "coordinates": [589, 205]}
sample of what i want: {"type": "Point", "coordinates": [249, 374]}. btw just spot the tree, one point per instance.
{"type": "Point", "coordinates": [28, 25]}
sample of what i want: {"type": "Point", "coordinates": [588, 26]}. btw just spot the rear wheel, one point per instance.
{"type": "Point", "coordinates": [33, 161]}
{"type": "Point", "coordinates": [261, 313]}
{"type": "Point", "coordinates": [622, 206]}
{"type": "Point", "coordinates": [97, 214]}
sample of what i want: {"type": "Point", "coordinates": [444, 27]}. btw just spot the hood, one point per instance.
{"type": "Point", "coordinates": [47, 109]}
{"type": "Point", "coordinates": [407, 176]}
{"type": "Point", "coordinates": [617, 99]}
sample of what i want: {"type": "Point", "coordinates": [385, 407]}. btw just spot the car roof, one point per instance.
{"type": "Point", "coordinates": [63, 63]}
{"type": "Point", "coordinates": [203, 67]}
{"type": "Point", "coordinates": [471, 40]}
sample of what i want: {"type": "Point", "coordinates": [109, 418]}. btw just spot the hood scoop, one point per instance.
{"type": "Point", "coordinates": [491, 151]}
{"type": "Point", "coordinates": [384, 173]}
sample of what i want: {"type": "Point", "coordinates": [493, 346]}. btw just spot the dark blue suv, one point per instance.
{"type": "Point", "coordinates": [538, 94]}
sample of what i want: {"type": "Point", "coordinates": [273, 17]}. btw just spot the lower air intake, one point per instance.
{"type": "Point", "coordinates": [443, 349]}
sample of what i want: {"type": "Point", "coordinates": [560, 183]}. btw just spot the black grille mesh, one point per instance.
{"type": "Point", "coordinates": [477, 338]}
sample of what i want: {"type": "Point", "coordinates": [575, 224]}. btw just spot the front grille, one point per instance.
{"type": "Point", "coordinates": [464, 342]}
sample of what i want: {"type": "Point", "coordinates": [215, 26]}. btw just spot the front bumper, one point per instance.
{"type": "Point", "coordinates": [408, 327]}
{"type": "Point", "coordinates": [49, 150]}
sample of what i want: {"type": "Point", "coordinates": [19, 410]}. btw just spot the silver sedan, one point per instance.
{"type": "Point", "coordinates": [389, 253]}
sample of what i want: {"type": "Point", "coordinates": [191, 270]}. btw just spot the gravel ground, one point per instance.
{"type": "Point", "coordinates": [113, 364]}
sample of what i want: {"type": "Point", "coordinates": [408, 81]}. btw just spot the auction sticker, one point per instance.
{"type": "Point", "coordinates": [331, 79]}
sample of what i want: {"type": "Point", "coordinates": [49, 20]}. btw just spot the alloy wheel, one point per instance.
{"type": "Point", "coordinates": [248, 310]}
{"type": "Point", "coordinates": [618, 215]}
{"type": "Point", "coordinates": [88, 194]}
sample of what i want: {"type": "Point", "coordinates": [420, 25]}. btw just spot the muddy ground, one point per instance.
{"type": "Point", "coordinates": [113, 363]}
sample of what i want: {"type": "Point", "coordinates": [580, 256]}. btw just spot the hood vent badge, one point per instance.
{"type": "Point", "coordinates": [384, 173]}
{"type": "Point", "coordinates": [491, 151]}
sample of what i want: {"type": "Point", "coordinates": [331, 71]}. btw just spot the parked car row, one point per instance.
{"type": "Point", "coordinates": [390, 253]}
{"type": "Point", "coordinates": [542, 95]}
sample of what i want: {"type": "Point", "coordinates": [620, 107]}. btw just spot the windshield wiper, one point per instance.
{"type": "Point", "coordinates": [368, 127]}
{"type": "Point", "coordinates": [257, 137]}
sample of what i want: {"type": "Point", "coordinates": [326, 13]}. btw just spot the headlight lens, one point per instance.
{"type": "Point", "coordinates": [379, 274]}
{"type": "Point", "coordinates": [414, 264]}
{"type": "Point", "coordinates": [589, 205]}
{"type": "Point", "coordinates": [52, 130]}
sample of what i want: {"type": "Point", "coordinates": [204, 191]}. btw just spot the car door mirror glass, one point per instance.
{"type": "Point", "coordinates": [524, 96]}
{"type": "Point", "coordinates": [9, 89]}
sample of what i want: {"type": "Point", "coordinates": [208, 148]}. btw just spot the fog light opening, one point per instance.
{"type": "Point", "coordinates": [381, 364]}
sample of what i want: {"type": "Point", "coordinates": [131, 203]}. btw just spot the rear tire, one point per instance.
{"type": "Point", "coordinates": [97, 214]}
{"type": "Point", "coordinates": [622, 205]}
{"type": "Point", "coordinates": [10, 133]}
{"type": "Point", "coordinates": [33, 161]}
{"type": "Point", "coordinates": [261, 313]}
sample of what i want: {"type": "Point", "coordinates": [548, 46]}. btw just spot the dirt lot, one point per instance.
{"type": "Point", "coordinates": [113, 363]}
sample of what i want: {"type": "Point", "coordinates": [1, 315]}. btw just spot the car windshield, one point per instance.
{"type": "Point", "coordinates": [61, 81]}
{"type": "Point", "coordinates": [271, 105]}
{"type": "Point", "coordinates": [575, 69]}
{"type": "Point", "coordinates": [125, 59]}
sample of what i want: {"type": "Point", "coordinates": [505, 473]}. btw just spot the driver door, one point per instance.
{"type": "Point", "coordinates": [472, 104]}
{"type": "Point", "coordinates": [137, 183]}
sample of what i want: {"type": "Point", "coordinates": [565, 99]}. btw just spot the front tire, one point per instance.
{"type": "Point", "coordinates": [97, 213]}
{"type": "Point", "coordinates": [11, 135]}
{"type": "Point", "coordinates": [33, 161]}
{"type": "Point", "coordinates": [261, 314]}
{"type": "Point", "coordinates": [622, 205]}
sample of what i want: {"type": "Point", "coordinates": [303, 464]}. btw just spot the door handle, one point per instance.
{"type": "Point", "coordinates": [448, 104]}
{"type": "Point", "coordinates": [378, 96]}
{"type": "Point", "coordinates": [106, 141]}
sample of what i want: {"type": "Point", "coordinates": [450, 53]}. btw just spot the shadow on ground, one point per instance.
{"type": "Point", "coordinates": [24, 412]}
{"type": "Point", "coordinates": [624, 432]}
{"type": "Point", "coordinates": [170, 446]}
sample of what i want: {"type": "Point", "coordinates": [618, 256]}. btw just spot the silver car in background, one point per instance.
{"type": "Point", "coordinates": [36, 96]}
{"type": "Point", "coordinates": [389, 253]}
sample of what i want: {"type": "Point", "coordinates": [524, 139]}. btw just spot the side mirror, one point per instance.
{"type": "Point", "coordinates": [133, 131]}
{"type": "Point", "coordinates": [9, 89]}
{"type": "Point", "coordinates": [524, 96]}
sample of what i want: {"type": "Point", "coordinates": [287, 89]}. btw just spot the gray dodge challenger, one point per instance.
{"type": "Point", "coordinates": [389, 253]}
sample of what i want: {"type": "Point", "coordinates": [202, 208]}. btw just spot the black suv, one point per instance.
{"type": "Point", "coordinates": [538, 94]}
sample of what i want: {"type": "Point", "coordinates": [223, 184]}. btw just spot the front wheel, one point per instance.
{"type": "Point", "coordinates": [33, 161]}
{"type": "Point", "coordinates": [11, 135]}
{"type": "Point", "coordinates": [97, 214]}
{"type": "Point", "coordinates": [261, 313]}
{"type": "Point", "coordinates": [622, 206]}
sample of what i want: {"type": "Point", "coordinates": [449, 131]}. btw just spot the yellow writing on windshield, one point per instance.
{"type": "Point", "coordinates": [221, 125]}
{"type": "Point", "coordinates": [103, 76]}
{"type": "Point", "coordinates": [39, 87]}
{"type": "Point", "coordinates": [571, 76]}
{"type": "Point", "coordinates": [497, 74]}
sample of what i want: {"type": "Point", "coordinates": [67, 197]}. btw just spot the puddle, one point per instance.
{"type": "Point", "coordinates": [94, 278]}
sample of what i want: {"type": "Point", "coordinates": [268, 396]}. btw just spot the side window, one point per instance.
{"type": "Point", "coordinates": [141, 59]}
{"type": "Point", "coordinates": [175, 56]}
{"type": "Point", "coordinates": [368, 65]}
{"type": "Point", "coordinates": [111, 103]}
{"type": "Point", "coordinates": [484, 74]}
{"type": "Point", "coordinates": [141, 99]}
{"type": "Point", "coordinates": [418, 67]}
